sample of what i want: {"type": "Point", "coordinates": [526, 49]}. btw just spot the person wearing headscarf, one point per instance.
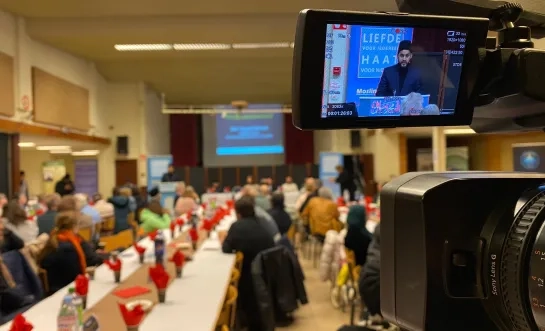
{"type": "Point", "coordinates": [357, 237]}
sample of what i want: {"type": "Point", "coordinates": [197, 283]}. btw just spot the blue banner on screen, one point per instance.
{"type": "Point", "coordinates": [251, 133]}
{"type": "Point", "coordinates": [86, 176]}
{"type": "Point", "coordinates": [391, 71]}
{"type": "Point", "coordinates": [328, 163]}
{"type": "Point", "coordinates": [157, 166]}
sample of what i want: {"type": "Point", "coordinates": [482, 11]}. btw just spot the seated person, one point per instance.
{"type": "Point", "coordinates": [322, 214]}
{"type": "Point", "coordinates": [262, 216]}
{"type": "Point", "coordinates": [86, 209]}
{"type": "Point", "coordinates": [15, 219]}
{"type": "Point", "coordinates": [262, 199]}
{"type": "Point", "coordinates": [369, 287]}
{"type": "Point", "coordinates": [154, 217]}
{"type": "Point", "coordinates": [357, 236]}
{"type": "Point", "coordinates": [180, 189]}
{"type": "Point", "coordinates": [279, 214]}
{"type": "Point", "coordinates": [70, 203]}
{"type": "Point", "coordinates": [104, 208]}
{"type": "Point", "coordinates": [46, 222]}
{"type": "Point", "coordinates": [66, 254]}
{"type": "Point", "coordinates": [246, 235]}
{"type": "Point", "coordinates": [121, 211]}
{"type": "Point", "coordinates": [186, 202]}
{"type": "Point", "coordinates": [289, 185]}
{"type": "Point", "coordinates": [310, 191]}
{"type": "Point", "coordinates": [127, 192]}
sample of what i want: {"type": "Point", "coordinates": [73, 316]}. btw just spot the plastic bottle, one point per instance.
{"type": "Point", "coordinates": [67, 320]}
{"type": "Point", "coordinates": [159, 248]}
{"type": "Point", "coordinates": [77, 302]}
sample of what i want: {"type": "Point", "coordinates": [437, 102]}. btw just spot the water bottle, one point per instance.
{"type": "Point", "coordinates": [77, 302]}
{"type": "Point", "coordinates": [159, 248]}
{"type": "Point", "coordinates": [67, 320]}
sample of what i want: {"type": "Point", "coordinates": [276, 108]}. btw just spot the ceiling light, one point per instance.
{"type": "Point", "coordinates": [86, 153]}
{"type": "Point", "coordinates": [261, 45]}
{"type": "Point", "coordinates": [61, 151]}
{"type": "Point", "coordinates": [458, 131]}
{"type": "Point", "coordinates": [26, 144]}
{"type": "Point", "coordinates": [201, 47]}
{"type": "Point", "coordinates": [143, 47]}
{"type": "Point", "coordinates": [52, 148]}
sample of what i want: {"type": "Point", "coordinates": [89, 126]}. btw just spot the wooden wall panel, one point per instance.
{"type": "Point", "coordinates": [59, 102]}
{"type": "Point", "coordinates": [7, 85]}
{"type": "Point", "coordinates": [403, 159]}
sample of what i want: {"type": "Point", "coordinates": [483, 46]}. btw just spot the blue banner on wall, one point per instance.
{"type": "Point", "coordinates": [328, 163]}
{"type": "Point", "coordinates": [157, 166]}
{"type": "Point", "coordinates": [372, 48]}
{"type": "Point", "coordinates": [86, 176]}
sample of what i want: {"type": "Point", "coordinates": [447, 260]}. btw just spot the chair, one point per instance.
{"type": "Point", "coordinates": [238, 261]}
{"type": "Point", "coordinates": [228, 311]}
{"type": "Point", "coordinates": [86, 233]}
{"type": "Point", "coordinates": [108, 224]}
{"type": "Point", "coordinates": [123, 239]}
{"type": "Point", "coordinates": [42, 274]}
{"type": "Point", "coordinates": [235, 277]}
{"type": "Point", "coordinates": [224, 328]}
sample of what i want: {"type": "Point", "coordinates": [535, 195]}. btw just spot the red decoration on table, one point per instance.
{"type": "Point", "coordinates": [81, 285]}
{"type": "Point", "coordinates": [207, 225]}
{"type": "Point", "coordinates": [204, 205]}
{"type": "Point", "coordinates": [159, 276]}
{"type": "Point", "coordinates": [180, 221]}
{"type": "Point", "coordinates": [152, 235]}
{"type": "Point", "coordinates": [172, 227]}
{"type": "Point", "coordinates": [20, 324]}
{"type": "Point", "coordinates": [178, 258]}
{"type": "Point", "coordinates": [340, 202]}
{"type": "Point", "coordinates": [139, 249]}
{"type": "Point", "coordinates": [230, 203]}
{"type": "Point", "coordinates": [132, 317]}
{"type": "Point", "coordinates": [114, 265]}
{"type": "Point", "coordinates": [130, 292]}
{"type": "Point", "coordinates": [194, 234]}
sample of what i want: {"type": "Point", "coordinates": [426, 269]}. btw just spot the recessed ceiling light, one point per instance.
{"type": "Point", "coordinates": [53, 148]}
{"type": "Point", "coordinates": [86, 153]}
{"type": "Point", "coordinates": [26, 144]}
{"type": "Point", "coordinates": [261, 45]}
{"type": "Point", "coordinates": [143, 47]}
{"type": "Point", "coordinates": [61, 151]}
{"type": "Point", "coordinates": [201, 47]}
{"type": "Point", "coordinates": [292, 45]}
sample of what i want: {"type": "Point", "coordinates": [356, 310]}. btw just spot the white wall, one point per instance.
{"type": "Point", "coordinates": [157, 137]}
{"type": "Point", "coordinates": [7, 33]}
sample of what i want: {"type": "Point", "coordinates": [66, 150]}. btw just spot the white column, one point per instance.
{"type": "Point", "coordinates": [439, 149]}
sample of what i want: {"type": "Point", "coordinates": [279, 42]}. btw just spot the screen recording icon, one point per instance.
{"type": "Point", "coordinates": [450, 33]}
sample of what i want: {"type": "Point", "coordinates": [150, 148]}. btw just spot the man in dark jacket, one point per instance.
{"type": "Point", "coordinates": [248, 236]}
{"type": "Point", "coordinates": [369, 286]}
{"type": "Point", "coordinates": [170, 175]}
{"type": "Point", "coordinates": [346, 181]}
{"type": "Point", "coordinates": [279, 214]}
{"type": "Point", "coordinates": [65, 186]}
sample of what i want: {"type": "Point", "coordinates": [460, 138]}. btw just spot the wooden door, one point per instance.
{"type": "Point", "coordinates": [126, 171]}
{"type": "Point", "coordinates": [368, 164]}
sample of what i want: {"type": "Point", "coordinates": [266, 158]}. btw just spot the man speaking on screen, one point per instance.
{"type": "Point", "coordinates": [401, 78]}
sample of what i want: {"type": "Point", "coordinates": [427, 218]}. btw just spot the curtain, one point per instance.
{"type": "Point", "coordinates": [184, 140]}
{"type": "Point", "coordinates": [299, 145]}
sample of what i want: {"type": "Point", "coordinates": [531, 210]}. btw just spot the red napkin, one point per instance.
{"type": "Point", "coordinates": [180, 221]}
{"type": "Point", "coordinates": [139, 249]}
{"type": "Point", "coordinates": [82, 285]}
{"type": "Point", "coordinates": [178, 258]}
{"type": "Point", "coordinates": [207, 225]}
{"type": "Point", "coordinates": [20, 324]}
{"type": "Point", "coordinates": [114, 265]}
{"type": "Point", "coordinates": [340, 202]}
{"type": "Point", "coordinates": [172, 227]}
{"type": "Point", "coordinates": [132, 317]}
{"type": "Point", "coordinates": [159, 276]}
{"type": "Point", "coordinates": [152, 234]}
{"type": "Point", "coordinates": [131, 292]}
{"type": "Point", "coordinates": [230, 204]}
{"type": "Point", "coordinates": [204, 205]}
{"type": "Point", "coordinates": [193, 234]}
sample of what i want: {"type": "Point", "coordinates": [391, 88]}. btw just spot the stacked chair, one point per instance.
{"type": "Point", "coordinates": [227, 319]}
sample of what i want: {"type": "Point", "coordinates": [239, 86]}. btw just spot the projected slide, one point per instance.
{"type": "Point", "coordinates": [249, 134]}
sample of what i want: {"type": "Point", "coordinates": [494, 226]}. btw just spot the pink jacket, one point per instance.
{"type": "Point", "coordinates": [184, 205]}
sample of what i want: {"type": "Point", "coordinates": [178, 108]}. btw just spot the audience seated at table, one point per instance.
{"type": "Point", "coordinates": [310, 191]}
{"type": "Point", "coordinates": [321, 214]}
{"type": "Point", "coordinates": [46, 222]}
{"type": "Point", "coordinates": [70, 203]}
{"type": "Point", "coordinates": [357, 237]}
{"type": "Point", "coordinates": [279, 214]}
{"type": "Point", "coordinates": [86, 209]}
{"type": "Point", "coordinates": [248, 236]}
{"type": "Point", "coordinates": [289, 185]}
{"type": "Point", "coordinates": [121, 210]}
{"type": "Point", "coordinates": [104, 208]}
{"type": "Point", "coordinates": [3, 202]}
{"type": "Point", "coordinates": [262, 199]}
{"type": "Point", "coordinates": [127, 192]}
{"type": "Point", "coordinates": [263, 217]}
{"type": "Point", "coordinates": [21, 199]}
{"type": "Point", "coordinates": [154, 194]}
{"type": "Point", "coordinates": [15, 219]}
{"type": "Point", "coordinates": [66, 254]}
{"type": "Point", "coordinates": [154, 217]}
{"type": "Point", "coordinates": [180, 189]}
{"type": "Point", "coordinates": [186, 202]}
{"type": "Point", "coordinates": [141, 201]}
{"type": "Point", "coordinates": [41, 205]}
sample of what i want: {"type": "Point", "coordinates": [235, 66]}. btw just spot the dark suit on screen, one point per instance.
{"type": "Point", "coordinates": [389, 84]}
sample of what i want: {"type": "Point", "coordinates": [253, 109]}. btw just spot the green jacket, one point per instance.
{"type": "Point", "coordinates": [150, 221]}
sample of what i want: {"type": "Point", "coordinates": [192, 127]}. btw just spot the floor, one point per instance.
{"type": "Point", "coordinates": [318, 314]}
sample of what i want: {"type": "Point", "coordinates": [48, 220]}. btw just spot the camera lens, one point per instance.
{"type": "Point", "coordinates": [536, 279]}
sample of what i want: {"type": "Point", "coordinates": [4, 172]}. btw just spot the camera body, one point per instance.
{"type": "Point", "coordinates": [456, 250]}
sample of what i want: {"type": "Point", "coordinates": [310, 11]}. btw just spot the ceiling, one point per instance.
{"type": "Point", "coordinates": [75, 145]}
{"type": "Point", "coordinates": [91, 29]}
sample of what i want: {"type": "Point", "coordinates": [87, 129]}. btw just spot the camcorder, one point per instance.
{"type": "Point", "coordinates": [459, 250]}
